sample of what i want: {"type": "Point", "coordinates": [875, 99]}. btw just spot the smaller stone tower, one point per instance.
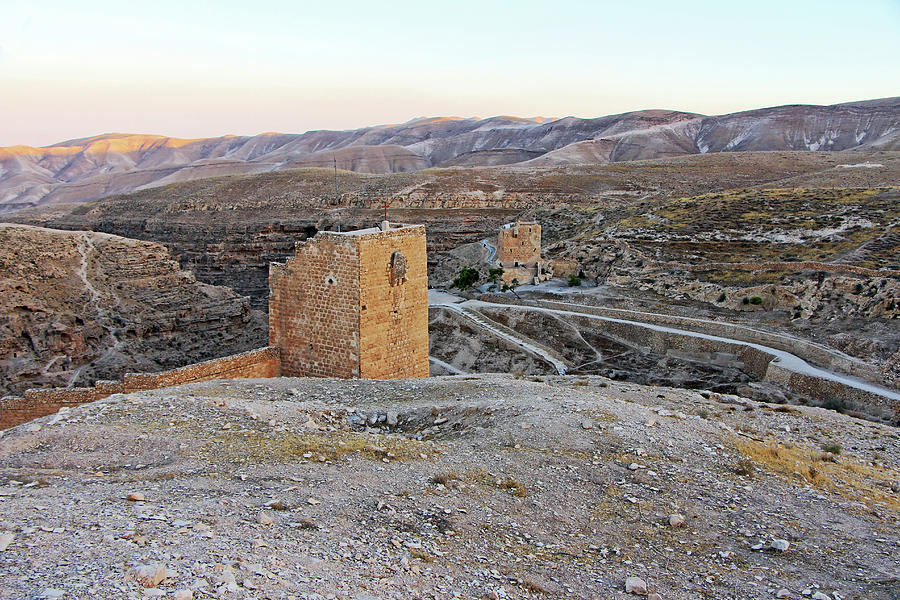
{"type": "Point", "coordinates": [353, 304]}
{"type": "Point", "coordinates": [519, 252]}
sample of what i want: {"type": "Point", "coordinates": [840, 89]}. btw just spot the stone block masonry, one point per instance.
{"type": "Point", "coordinates": [314, 307]}
{"type": "Point", "coordinates": [393, 325]}
{"type": "Point", "coordinates": [519, 253]}
{"type": "Point", "coordinates": [261, 363]}
{"type": "Point", "coordinates": [353, 304]}
{"type": "Point", "coordinates": [519, 244]}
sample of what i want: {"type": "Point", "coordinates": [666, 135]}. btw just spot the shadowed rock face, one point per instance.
{"type": "Point", "coordinates": [80, 306]}
{"type": "Point", "coordinates": [89, 168]}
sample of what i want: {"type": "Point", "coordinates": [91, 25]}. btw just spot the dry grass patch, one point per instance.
{"type": "Point", "coordinates": [254, 446]}
{"type": "Point", "coordinates": [849, 477]}
{"type": "Point", "coordinates": [485, 479]}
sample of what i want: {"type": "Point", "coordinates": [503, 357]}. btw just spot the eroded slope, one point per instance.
{"type": "Point", "coordinates": [81, 306]}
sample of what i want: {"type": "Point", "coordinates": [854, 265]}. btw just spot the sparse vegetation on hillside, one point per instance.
{"type": "Point", "coordinates": [856, 226]}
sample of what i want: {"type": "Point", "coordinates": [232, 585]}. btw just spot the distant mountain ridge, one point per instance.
{"type": "Point", "coordinates": [84, 169]}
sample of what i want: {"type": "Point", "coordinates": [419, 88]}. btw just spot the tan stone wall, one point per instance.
{"type": "Point", "coordinates": [523, 275]}
{"type": "Point", "coordinates": [38, 403]}
{"type": "Point", "coordinates": [521, 242]}
{"type": "Point", "coordinates": [314, 308]}
{"type": "Point", "coordinates": [393, 314]}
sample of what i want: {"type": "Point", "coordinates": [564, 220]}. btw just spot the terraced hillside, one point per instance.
{"type": "Point", "coordinates": [80, 306]}
{"type": "Point", "coordinates": [853, 226]}
{"type": "Point", "coordinates": [819, 263]}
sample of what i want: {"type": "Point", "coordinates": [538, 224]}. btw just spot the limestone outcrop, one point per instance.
{"type": "Point", "coordinates": [80, 306]}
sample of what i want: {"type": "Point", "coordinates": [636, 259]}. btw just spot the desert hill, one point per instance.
{"type": "Point", "coordinates": [89, 168]}
{"type": "Point", "coordinates": [226, 229]}
{"type": "Point", "coordinates": [80, 306]}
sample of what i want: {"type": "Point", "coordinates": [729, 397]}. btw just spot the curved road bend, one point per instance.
{"type": "Point", "coordinates": [782, 358]}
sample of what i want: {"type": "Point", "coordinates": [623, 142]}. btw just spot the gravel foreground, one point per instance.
{"type": "Point", "coordinates": [452, 487]}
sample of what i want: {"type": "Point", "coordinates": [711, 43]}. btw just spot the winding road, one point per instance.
{"type": "Point", "coordinates": [782, 358]}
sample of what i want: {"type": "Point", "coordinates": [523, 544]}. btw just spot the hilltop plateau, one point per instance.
{"type": "Point", "coordinates": [461, 487]}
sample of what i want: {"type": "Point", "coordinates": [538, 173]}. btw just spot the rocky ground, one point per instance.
{"type": "Point", "coordinates": [463, 487]}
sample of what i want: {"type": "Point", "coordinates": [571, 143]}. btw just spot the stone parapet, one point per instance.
{"type": "Point", "coordinates": [261, 363]}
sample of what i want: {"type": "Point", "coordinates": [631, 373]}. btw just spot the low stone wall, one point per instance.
{"type": "Point", "coordinates": [260, 363]}
{"type": "Point", "coordinates": [811, 351]}
{"type": "Point", "coordinates": [835, 394]}
{"type": "Point", "coordinates": [758, 363]}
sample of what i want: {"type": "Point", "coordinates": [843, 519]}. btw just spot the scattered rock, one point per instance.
{"type": "Point", "coordinates": [782, 593]}
{"type": "Point", "coordinates": [779, 545]}
{"type": "Point", "coordinates": [265, 518]}
{"type": "Point", "coordinates": [677, 520]}
{"type": "Point", "coordinates": [821, 596]}
{"type": "Point", "coordinates": [148, 575]}
{"type": "Point", "coordinates": [5, 540]}
{"type": "Point", "coordinates": [136, 497]}
{"type": "Point", "coordinates": [587, 424]}
{"type": "Point", "coordinates": [184, 595]}
{"type": "Point", "coordinates": [635, 585]}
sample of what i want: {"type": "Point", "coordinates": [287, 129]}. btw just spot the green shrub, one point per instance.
{"type": "Point", "coordinates": [756, 300]}
{"type": "Point", "coordinates": [466, 278]}
{"type": "Point", "coordinates": [574, 281]}
{"type": "Point", "coordinates": [832, 447]}
{"type": "Point", "coordinates": [495, 274]}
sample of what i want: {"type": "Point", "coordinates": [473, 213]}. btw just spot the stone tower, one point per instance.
{"type": "Point", "coordinates": [519, 244]}
{"type": "Point", "coordinates": [353, 304]}
{"type": "Point", "coordinates": [519, 252]}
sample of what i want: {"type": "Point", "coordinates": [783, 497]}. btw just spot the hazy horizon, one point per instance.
{"type": "Point", "coordinates": [211, 69]}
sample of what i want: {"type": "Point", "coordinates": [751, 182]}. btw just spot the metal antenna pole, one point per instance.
{"type": "Point", "coordinates": [336, 197]}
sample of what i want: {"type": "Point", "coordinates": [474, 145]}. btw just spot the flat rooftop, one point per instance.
{"type": "Point", "coordinates": [371, 230]}
{"type": "Point", "coordinates": [511, 225]}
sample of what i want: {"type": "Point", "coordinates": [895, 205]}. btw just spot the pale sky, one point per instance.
{"type": "Point", "coordinates": [203, 69]}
